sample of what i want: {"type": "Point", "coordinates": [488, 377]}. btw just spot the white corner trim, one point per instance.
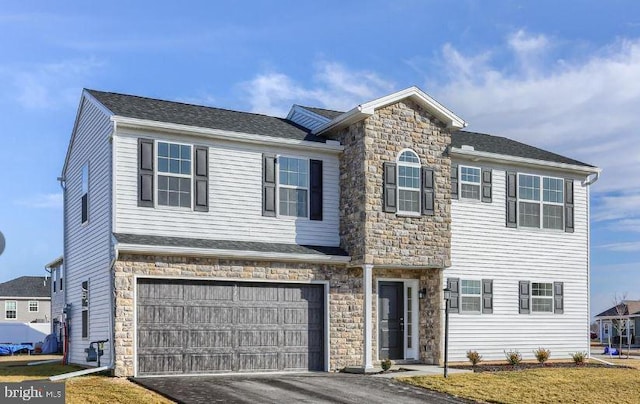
{"type": "Point", "coordinates": [222, 134]}
{"type": "Point", "coordinates": [476, 155]}
{"type": "Point", "coordinates": [367, 109]}
{"type": "Point", "coordinates": [367, 284]}
{"type": "Point", "coordinates": [236, 254]}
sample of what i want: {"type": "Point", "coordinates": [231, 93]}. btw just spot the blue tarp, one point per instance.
{"type": "Point", "coordinates": [9, 349]}
{"type": "Point", "coordinates": [50, 344]}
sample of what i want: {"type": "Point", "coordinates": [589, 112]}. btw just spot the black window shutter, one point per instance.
{"type": "Point", "coordinates": [145, 172]}
{"type": "Point", "coordinates": [428, 192]}
{"type": "Point", "coordinates": [454, 181]}
{"type": "Point", "coordinates": [201, 179]}
{"type": "Point", "coordinates": [486, 185]}
{"type": "Point", "coordinates": [558, 297]}
{"type": "Point", "coordinates": [524, 297]}
{"type": "Point", "coordinates": [268, 185]}
{"type": "Point", "coordinates": [390, 188]}
{"type": "Point", "coordinates": [512, 199]}
{"type": "Point", "coordinates": [85, 208]}
{"type": "Point", "coordinates": [315, 190]}
{"type": "Point", "coordinates": [454, 302]}
{"type": "Point", "coordinates": [568, 206]}
{"type": "Point", "coordinates": [487, 296]}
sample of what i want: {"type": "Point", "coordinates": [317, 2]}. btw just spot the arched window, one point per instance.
{"type": "Point", "coordinates": [408, 182]}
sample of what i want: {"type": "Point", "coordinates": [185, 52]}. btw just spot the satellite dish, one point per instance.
{"type": "Point", "coordinates": [1, 243]}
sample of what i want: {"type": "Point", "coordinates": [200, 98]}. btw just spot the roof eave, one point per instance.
{"type": "Point", "coordinates": [367, 109]}
{"type": "Point", "coordinates": [476, 155]}
{"type": "Point", "coordinates": [55, 263]}
{"type": "Point", "coordinates": [136, 123]}
{"type": "Point", "coordinates": [233, 254]}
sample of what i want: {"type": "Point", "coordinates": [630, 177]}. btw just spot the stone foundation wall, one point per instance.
{"type": "Point", "coordinates": [430, 314]}
{"type": "Point", "coordinates": [345, 297]}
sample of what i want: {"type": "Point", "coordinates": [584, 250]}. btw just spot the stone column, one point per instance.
{"type": "Point", "coordinates": [367, 274]}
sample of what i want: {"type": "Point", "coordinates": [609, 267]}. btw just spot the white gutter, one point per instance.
{"type": "Point", "coordinates": [78, 373]}
{"type": "Point", "coordinates": [480, 155]}
{"type": "Point", "coordinates": [235, 254]}
{"type": "Point", "coordinates": [223, 134]}
{"type": "Point", "coordinates": [27, 297]}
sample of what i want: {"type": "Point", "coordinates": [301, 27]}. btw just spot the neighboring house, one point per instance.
{"type": "Point", "coordinates": [203, 240]}
{"type": "Point", "coordinates": [617, 320]}
{"type": "Point", "coordinates": [56, 269]}
{"type": "Point", "coordinates": [26, 299]}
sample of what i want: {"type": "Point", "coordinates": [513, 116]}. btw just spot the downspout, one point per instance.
{"type": "Point", "coordinates": [588, 182]}
{"type": "Point", "coordinates": [112, 320]}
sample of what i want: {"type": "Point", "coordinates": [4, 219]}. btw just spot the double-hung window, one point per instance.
{"type": "Point", "coordinates": [293, 183]}
{"type": "Point", "coordinates": [542, 297]}
{"type": "Point", "coordinates": [85, 193]}
{"type": "Point", "coordinates": [469, 182]}
{"type": "Point", "coordinates": [174, 174]}
{"type": "Point", "coordinates": [540, 201]}
{"type": "Point", "coordinates": [470, 296]}
{"type": "Point", "coordinates": [33, 306]}
{"type": "Point", "coordinates": [408, 182]}
{"type": "Point", "coordinates": [10, 310]}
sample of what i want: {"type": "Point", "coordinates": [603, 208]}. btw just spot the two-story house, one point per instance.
{"type": "Point", "coordinates": [203, 240]}
{"type": "Point", "coordinates": [25, 299]}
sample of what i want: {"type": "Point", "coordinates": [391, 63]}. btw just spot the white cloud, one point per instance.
{"type": "Point", "coordinates": [583, 107]}
{"type": "Point", "coordinates": [334, 86]}
{"type": "Point", "coordinates": [628, 246]}
{"type": "Point", "coordinates": [43, 201]}
{"type": "Point", "coordinates": [47, 85]}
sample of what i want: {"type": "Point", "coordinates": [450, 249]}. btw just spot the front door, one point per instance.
{"type": "Point", "coordinates": [390, 320]}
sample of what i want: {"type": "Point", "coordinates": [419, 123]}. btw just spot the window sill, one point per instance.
{"type": "Point", "coordinates": [408, 214]}
{"type": "Point", "coordinates": [539, 229]}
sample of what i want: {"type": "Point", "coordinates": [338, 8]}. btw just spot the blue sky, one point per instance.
{"type": "Point", "coordinates": [560, 75]}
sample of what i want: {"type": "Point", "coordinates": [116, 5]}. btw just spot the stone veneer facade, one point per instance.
{"type": "Point", "coordinates": [401, 247]}
{"type": "Point", "coordinates": [370, 235]}
{"type": "Point", "coordinates": [345, 297]}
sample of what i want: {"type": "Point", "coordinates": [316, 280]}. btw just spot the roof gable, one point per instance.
{"type": "Point", "coordinates": [26, 286]}
{"type": "Point", "coordinates": [367, 109]}
{"type": "Point", "coordinates": [629, 307]}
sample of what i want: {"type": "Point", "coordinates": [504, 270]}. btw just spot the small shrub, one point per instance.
{"type": "Point", "coordinates": [386, 364]}
{"type": "Point", "coordinates": [542, 355]}
{"type": "Point", "coordinates": [474, 357]}
{"type": "Point", "coordinates": [579, 358]}
{"type": "Point", "coordinates": [513, 357]}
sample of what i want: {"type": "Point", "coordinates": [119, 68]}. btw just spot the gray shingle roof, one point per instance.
{"type": "Point", "coordinates": [227, 245]}
{"type": "Point", "coordinates": [327, 113]}
{"type": "Point", "coordinates": [630, 307]}
{"type": "Point", "coordinates": [26, 286]}
{"type": "Point", "coordinates": [132, 106]}
{"type": "Point", "coordinates": [502, 145]}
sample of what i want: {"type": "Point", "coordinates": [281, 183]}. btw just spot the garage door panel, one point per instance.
{"type": "Point", "coordinates": [161, 314]}
{"type": "Point", "coordinates": [228, 327]}
{"type": "Point", "coordinates": [210, 339]}
{"type": "Point", "coordinates": [208, 291]}
{"type": "Point", "coordinates": [210, 315]}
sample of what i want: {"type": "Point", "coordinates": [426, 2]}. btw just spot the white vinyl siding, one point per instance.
{"type": "Point", "coordinates": [235, 197]}
{"type": "Point", "coordinates": [483, 247]}
{"type": "Point", "coordinates": [87, 252]}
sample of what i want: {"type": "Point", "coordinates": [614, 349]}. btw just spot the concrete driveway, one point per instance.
{"type": "Point", "coordinates": [291, 388]}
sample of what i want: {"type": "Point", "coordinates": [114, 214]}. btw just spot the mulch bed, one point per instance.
{"type": "Point", "coordinates": [504, 367]}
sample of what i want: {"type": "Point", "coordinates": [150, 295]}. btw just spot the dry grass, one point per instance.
{"type": "Point", "coordinates": [79, 390]}
{"type": "Point", "coordinates": [545, 385]}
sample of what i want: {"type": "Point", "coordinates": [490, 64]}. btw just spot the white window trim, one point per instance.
{"type": "Point", "coordinates": [279, 185]}
{"type": "Point", "coordinates": [157, 173]}
{"type": "Point", "coordinates": [552, 298]}
{"type": "Point", "coordinates": [460, 182]}
{"type": "Point", "coordinates": [469, 295]}
{"type": "Point", "coordinates": [37, 306]}
{"type": "Point", "coordinates": [6, 304]}
{"type": "Point", "coordinates": [418, 190]}
{"type": "Point", "coordinates": [540, 202]}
